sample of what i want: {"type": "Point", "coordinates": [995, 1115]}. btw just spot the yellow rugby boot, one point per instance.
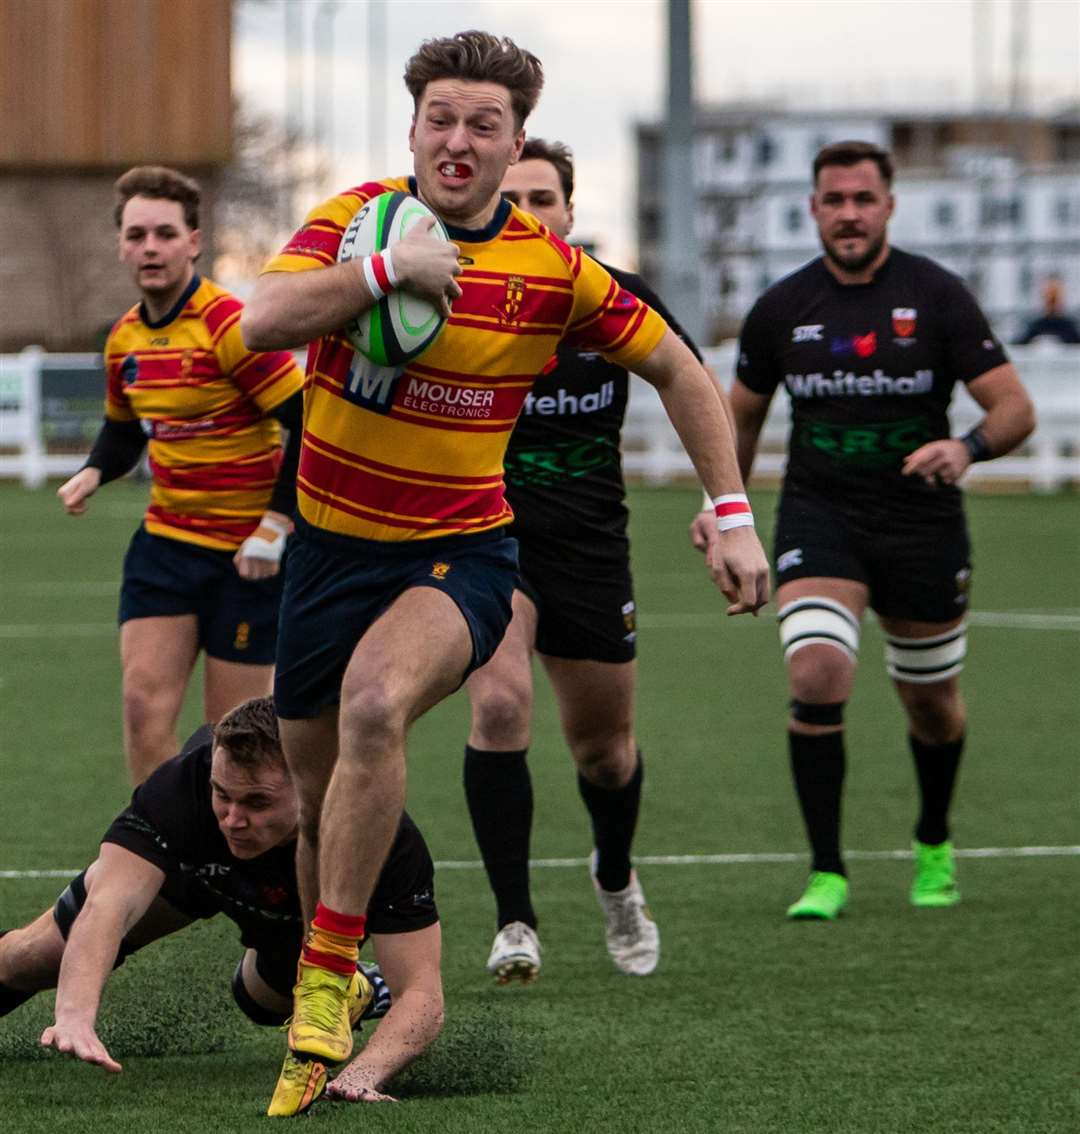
{"type": "Point", "coordinates": [300, 1083]}
{"type": "Point", "coordinates": [321, 1027]}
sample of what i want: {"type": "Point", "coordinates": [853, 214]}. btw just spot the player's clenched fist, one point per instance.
{"type": "Point", "coordinates": [75, 492]}
{"type": "Point", "coordinates": [740, 569]}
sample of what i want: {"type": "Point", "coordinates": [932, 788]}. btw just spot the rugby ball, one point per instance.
{"type": "Point", "coordinates": [400, 326]}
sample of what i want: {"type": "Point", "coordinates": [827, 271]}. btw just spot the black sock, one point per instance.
{"type": "Point", "coordinates": [614, 819]}
{"type": "Point", "coordinates": [499, 793]}
{"type": "Point", "coordinates": [936, 766]}
{"type": "Point", "coordinates": [817, 765]}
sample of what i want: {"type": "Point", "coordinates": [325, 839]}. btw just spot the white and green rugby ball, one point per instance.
{"type": "Point", "coordinates": [400, 326]}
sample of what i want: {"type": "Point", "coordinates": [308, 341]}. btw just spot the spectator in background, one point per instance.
{"type": "Point", "coordinates": [1053, 323]}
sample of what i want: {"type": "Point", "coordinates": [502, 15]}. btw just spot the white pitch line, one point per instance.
{"type": "Point", "coordinates": [690, 859]}
{"type": "Point", "coordinates": [998, 619]}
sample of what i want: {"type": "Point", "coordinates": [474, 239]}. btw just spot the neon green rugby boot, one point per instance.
{"type": "Point", "coordinates": [934, 884]}
{"type": "Point", "coordinates": [824, 899]}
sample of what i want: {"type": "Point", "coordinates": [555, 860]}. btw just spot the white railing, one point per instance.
{"type": "Point", "coordinates": [1048, 460]}
{"type": "Point", "coordinates": [31, 430]}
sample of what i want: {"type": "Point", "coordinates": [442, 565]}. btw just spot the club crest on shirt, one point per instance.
{"type": "Point", "coordinates": [511, 305]}
{"type": "Point", "coordinates": [129, 370]}
{"type": "Point", "coordinates": [903, 321]}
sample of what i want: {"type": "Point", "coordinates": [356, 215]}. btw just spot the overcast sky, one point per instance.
{"type": "Point", "coordinates": [604, 67]}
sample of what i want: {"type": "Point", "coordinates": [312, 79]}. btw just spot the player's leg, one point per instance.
{"type": "Point", "coordinates": [924, 659]}
{"type": "Point", "coordinates": [414, 655]}
{"type": "Point", "coordinates": [921, 592]}
{"type": "Point", "coordinates": [596, 708]}
{"type": "Point", "coordinates": [819, 631]}
{"type": "Point", "coordinates": [310, 748]}
{"type": "Point", "coordinates": [157, 655]}
{"type": "Point", "coordinates": [499, 793]}
{"type": "Point", "coordinates": [227, 684]}
{"type": "Point", "coordinates": [238, 631]}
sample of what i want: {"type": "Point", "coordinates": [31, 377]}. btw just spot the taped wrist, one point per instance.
{"type": "Point", "coordinates": [267, 541]}
{"type": "Point", "coordinates": [977, 446]}
{"type": "Point", "coordinates": [733, 511]}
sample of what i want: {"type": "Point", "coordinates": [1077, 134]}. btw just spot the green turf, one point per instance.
{"type": "Point", "coordinates": [890, 1020]}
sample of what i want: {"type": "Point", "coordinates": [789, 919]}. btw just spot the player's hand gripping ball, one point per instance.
{"type": "Point", "coordinates": [400, 326]}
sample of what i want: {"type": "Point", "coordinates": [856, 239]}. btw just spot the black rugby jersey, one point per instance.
{"type": "Point", "coordinates": [564, 476]}
{"type": "Point", "coordinates": [170, 823]}
{"type": "Point", "coordinates": [869, 369]}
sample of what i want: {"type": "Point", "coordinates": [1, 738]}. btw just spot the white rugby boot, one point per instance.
{"type": "Point", "coordinates": [515, 954]}
{"type": "Point", "coordinates": [632, 937]}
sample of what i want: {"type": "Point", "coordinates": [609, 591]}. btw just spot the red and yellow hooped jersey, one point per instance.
{"type": "Point", "coordinates": [417, 453]}
{"type": "Point", "coordinates": [203, 400]}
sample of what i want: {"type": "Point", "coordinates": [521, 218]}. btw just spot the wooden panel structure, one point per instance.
{"type": "Point", "coordinates": [111, 83]}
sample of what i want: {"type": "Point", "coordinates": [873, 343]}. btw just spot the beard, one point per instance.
{"type": "Point", "coordinates": [852, 262]}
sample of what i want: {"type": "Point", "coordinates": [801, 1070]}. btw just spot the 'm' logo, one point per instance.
{"type": "Point", "coordinates": [243, 636]}
{"type": "Point", "coordinates": [903, 321]}
{"type": "Point", "coordinates": [808, 333]}
{"type": "Point", "coordinates": [371, 386]}
{"type": "Point", "coordinates": [440, 570]}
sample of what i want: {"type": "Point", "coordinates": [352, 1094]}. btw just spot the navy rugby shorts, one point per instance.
{"type": "Point", "coordinates": [585, 610]}
{"type": "Point", "coordinates": [337, 586]}
{"type": "Point", "coordinates": [922, 573]}
{"type": "Point", "coordinates": [237, 617]}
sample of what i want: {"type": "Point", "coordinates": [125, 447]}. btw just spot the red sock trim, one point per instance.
{"type": "Point", "coordinates": [345, 925]}
{"type": "Point", "coordinates": [330, 961]}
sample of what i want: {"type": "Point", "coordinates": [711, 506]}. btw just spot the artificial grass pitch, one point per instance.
{"type": "Point", "coordinates": [891, 1020]}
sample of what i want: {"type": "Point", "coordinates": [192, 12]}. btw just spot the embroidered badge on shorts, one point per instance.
{"type": "Point", "coordinates": [243, 636]}
{"type": "Point", "coordinates": [440, 570]}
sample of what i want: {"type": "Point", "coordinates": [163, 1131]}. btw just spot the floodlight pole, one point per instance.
{"type": "Point", "coordinates": [678, 241]}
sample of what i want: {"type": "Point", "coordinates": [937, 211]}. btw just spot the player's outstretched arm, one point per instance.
{"type": "Point", "coordinates": [290, 309]}
{"type": "Point", "coordinates": [119, 889]}
{"type": "Point", "coordinates": [1010, 418]}
{"type": "Point", "coordinates": [410, 966]}
{"type": "Point", "coordinates": [737, 564]}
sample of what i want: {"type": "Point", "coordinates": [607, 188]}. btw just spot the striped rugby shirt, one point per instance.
{"type": "Point", "coordinates": [203, 400]}
{"type": "Point", "coordinates": [418, 453]}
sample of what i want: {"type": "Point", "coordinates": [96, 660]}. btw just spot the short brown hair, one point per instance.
{"type": "Point", "coordinates": [851, 153]}
{"type": "Point", "coordinates": [558, 154]}
{"type": "Point", "coordinates": [160, 182]}
{"type": "Point", "coordinates": [480, 58]}
{"type": "Point", "coordinates": [249, 734]}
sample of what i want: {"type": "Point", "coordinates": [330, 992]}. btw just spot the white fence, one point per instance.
{"type": "Point", "coordinates": [35, 423]}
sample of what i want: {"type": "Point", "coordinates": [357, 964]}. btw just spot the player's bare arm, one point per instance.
{"type": "Point", "coordinates": [75, 492]}
{"type": "Point", "coordinates": [1010, 418]}
{"type": "Point", "coordinates": [410, 966]}
{"type": "Point", "coordinates": [119, 889]}
{"type": "Point", "coordinates": [738, 564]}
{"type": "Point", "coordinates": [289, 309]}
{"type": "Point", "coordinates": [746, 412]}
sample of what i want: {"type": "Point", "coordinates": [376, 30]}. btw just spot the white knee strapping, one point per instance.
{"type": "Point", "coordinates": [922, 661]}
{"type": "Point", "coordinates": [816, 621]}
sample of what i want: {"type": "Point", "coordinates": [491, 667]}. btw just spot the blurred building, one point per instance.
{"type": "Point", "coordinates": [89, 89]}
{"type": "Point", "coordinates": [992, 197]}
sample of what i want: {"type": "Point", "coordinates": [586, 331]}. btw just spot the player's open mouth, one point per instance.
{"type": "Point", "coordinates": [455, 170]}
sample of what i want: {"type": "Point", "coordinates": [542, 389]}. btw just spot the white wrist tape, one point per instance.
{"type": "Point", "coordinates": [257, 546]}
{"type": "Point", "coordinates": [379, 273]}
{"type": "Point", "coordinates": [732, 511]}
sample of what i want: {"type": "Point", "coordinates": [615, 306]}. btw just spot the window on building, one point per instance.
{"type": "Point", "coordinates": [1026, 279]}
{"type": "Point", "coordinates": [793, 218]}
{"type": "Point", "coordinates": [727, 148]}
{"type": "Point", "coordinates": [1063, 211]}
{"type": "Point", "coordinates": [726, 213]}
{"type": "Point", "coordinates": [944, 214]}
{"type": "Point", "coordinates": [765, 150]}
{"type": "Point", "coordinates": [1001, 210]}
